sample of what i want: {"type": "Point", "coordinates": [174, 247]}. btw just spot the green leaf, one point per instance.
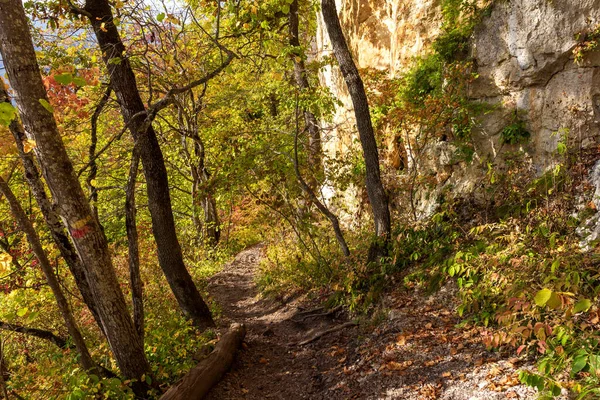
{"type": "Point", "coordinates": [160, 17]}
{"type": "Point", "coordinates": [7, 113]}
{"type": "Point", "coordinates": [582, 305]}
{"type": "Point", "coordinates": [22, 312]}
{"type": "Point", "coordinates": [555, 264]}
{"type": "Point", "coordinates": [115, 60]}
{"type": "Point", "coordinates": [47, 106]}
{"type": "Point", "coordinates": [554, 302]}
{"type": "Point", "coordinates": [79, 81]}
{"type": "Point", "coordinates": [542, 297]}
{"type": "Point", "coordinates": [64, 79]}
{"type": "Point", "coordinates": [579, 362]}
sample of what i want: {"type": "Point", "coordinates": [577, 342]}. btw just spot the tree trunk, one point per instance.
{"type": "Point", "coordinates": [57, 229]}
{"type": "Point", "coordinates": [212, 225]}
{"type": "Point", "coordinates": [34, 241]}
{"type": "Point", "coordinates": [23, 72]}
{"type": "Point", "coordinates": [93, 166]}
{"type": "Point", "coordinates": [335, 223]}
{"type": "Point", "coordinates": [315, 152]}
{"type": "Point", "coordinates": [124, 84]}
{"type": "Point", "coordinates": [197, 383]}
{"type": "Point", "coordinates": [377, 196]}
{"type": "Point", "coordinates": [132, 241]}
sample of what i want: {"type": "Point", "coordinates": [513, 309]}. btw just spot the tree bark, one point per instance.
{"type": "Point", "coordinates": [377, 196]}
{"type": "Point", "coordinates": [315, 152]}
{"type": "Point", "coordinates": [34, 241]}
{"type": "Point", "coordinates": [132, 241]}
{"type": "Point", "coordinates": [57, 229]}
{"type": "Point", "coordinates": [124, 85]}
{"type": "Point", "coordinates": [198, 382]}
{"type": "Point", "coordinates": [23, 72]}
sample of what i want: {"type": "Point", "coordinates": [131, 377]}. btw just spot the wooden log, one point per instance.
{"type": "Point", "coordinates": [198, 382]}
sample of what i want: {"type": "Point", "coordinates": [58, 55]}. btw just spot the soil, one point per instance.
{"type": "Point", "coordinates": [413, 350]}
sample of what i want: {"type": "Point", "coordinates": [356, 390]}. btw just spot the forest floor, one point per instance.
{"type": "Point", "coordinates": [416, 351]}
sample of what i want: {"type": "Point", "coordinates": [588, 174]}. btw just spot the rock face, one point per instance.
{"type": "Point", "coordinates": [523, 52]}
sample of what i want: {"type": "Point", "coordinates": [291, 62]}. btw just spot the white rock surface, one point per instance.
{"type": "Point", "coordinates": [523, 52]}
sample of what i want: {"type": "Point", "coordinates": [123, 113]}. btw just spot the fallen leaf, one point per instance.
{"type": "Point", "coordinates": [401, 340]}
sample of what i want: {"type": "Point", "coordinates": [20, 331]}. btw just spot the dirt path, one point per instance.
{"type": "Point", "coordinates": [414, 352]}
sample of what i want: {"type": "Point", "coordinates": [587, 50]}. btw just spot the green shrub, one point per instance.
{"type": "Point", "coordinates": [451, 45]}
{"type": "Point", "coordinates": [515, 133]}
{"type": "Point", "coordinates": [423, 80]}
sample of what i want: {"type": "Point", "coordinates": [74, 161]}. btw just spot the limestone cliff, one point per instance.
{"type": "Point", "coordinates": [523, 53]}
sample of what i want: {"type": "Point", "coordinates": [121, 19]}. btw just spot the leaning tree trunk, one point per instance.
{"type": "Point", "coordinates": [125, 87]}
{"type": "Point", "coordinates": [377, 196]}
{"type": "Point", "coordinates": [52, 219]}
{"type": "Point", "coordinates": [34, 241]}
{"type": "Point", "coordinates": [315, 152]}
{"type": "Point", "coordinates": [19, 59]}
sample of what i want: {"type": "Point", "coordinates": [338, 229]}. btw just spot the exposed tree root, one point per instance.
{"type": "Point", "coordinates": [323, 314]}
{"type": "Point", "coordinates": [327, 331]}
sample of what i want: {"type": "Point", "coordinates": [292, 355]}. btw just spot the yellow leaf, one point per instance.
{"type": "Point", "coordinates": [5, 260]}
{"type": "Point", "coordinates": [103, 27]}
{"type": "Point", "coordinates": [29, 145]}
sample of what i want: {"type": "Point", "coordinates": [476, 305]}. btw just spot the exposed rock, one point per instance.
{"type": "Point", "coordinates": [523, 53]}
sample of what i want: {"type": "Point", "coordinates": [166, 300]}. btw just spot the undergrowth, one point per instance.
{"type": "Point", "coordinates": [513, 252]}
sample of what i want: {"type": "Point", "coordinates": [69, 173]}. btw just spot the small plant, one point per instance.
{"type": "Point", "coordinates": [515, 133]}
{"type": "Point", "coordinates": [424, 79]}
{"type": "Point", "coordinates": [451, 45]}
{"type": "Point", "coordinates": [586, 42]}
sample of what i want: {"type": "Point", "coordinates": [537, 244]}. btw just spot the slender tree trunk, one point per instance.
{"type": "Point", "coordinates": [212, 225]}
{"type": "Point", "coordinates": [335, 223]}
{"type": "Point", "coordinates": [57, 229]}
{"type": "Point", "coordinates": [93, 171]}
{"type": "Point", "coordinates": [124, 84]}
{"type": "Point", "coordinates": [134, 254]}
{"type": "Point", "coordinates": [315, 152]}
{"type": "Point", "coordinates": [202, 195]}
{"type": "Point", "coordinates": [24, 75]}
{"type": "Point", "coordinates": [377, 196]}
{"type": "Point", "coordinates": [34, 241]}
